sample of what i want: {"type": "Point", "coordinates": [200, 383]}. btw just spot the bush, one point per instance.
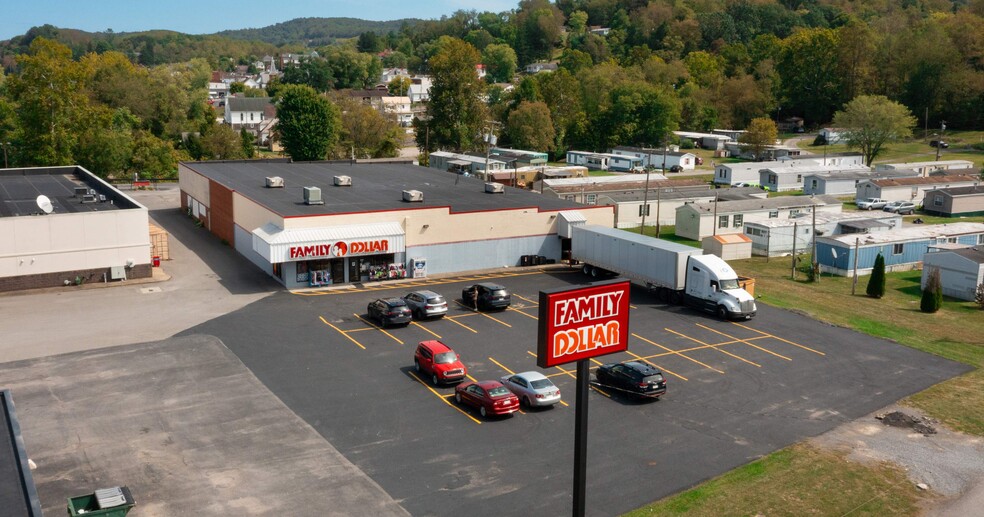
{"type": "Point", "coordinates": [820, 140]}
{"type": "Point", "coordinates": [932, 295]}
{"type": "Point", "coordinates": [876, 284]}
{"type": "Point", "coordinates": [979, 296]}
{"type": "Point", "coordinates": [687, 143]}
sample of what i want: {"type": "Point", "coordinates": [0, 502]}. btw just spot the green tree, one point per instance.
{"type": "Point", "coordinates": [153, 157]}
{"type": "Point", "coordinates": [759, 135]}
{"type": "Point", "coordinates": [456, 111]}
{"type": "Point", "coordinates": [237, 87]}
{"type": "Point", "coordinates": [308, 124]}
{"type": "Point", "coordinates": [370, 43]}
{"type": "Point", "coordinates": [932, 294]}
{"type": "Point", "coordinates": [529, 127]}
{"type": "Point", "coordinates": [876, 283]}
{"type": "Point", "coordinates": [352, 69]}
{"type": "Point", "coordinates": [810, 77]}
{"type": "Point", "coordinates": [313, 72]}
{"type": "Point", "coordinates": [539, 29]}
{"type": "Point", "coordinates": [639, 114]}
{"type": "Point", "coordinates": [869, 121]}
{"type": "Point", "coordinates": [247, 140]}
{"type": "Point", "coordinates": [562, 95]}
{"type": "Point", "coordinates": [500, 63]}
{"type": "Point", "coordinates": [49, 101]}
{"type": "Point", "coordinates": [575, 60]}
{"type": "Point", "coordinates": [979, 296]}
{"type": "Point", "coordinates": [365, 132]}
{"type": "Point", "coordinates": [221, 142]}
{"type": "Point", "coordinates": [399, 86]}
{"type": "Point", "coordinates": [106, 146]}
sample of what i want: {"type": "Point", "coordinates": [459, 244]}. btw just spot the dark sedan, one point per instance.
{"type": "Point", "coordinates": [390, 311]}
{"type": "Point", "coordinates": [635, 377]}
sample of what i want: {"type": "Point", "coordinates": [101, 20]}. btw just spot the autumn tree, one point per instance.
{"type": "Point", "coordinates": [399, 86]}
{"type": "Point", "coordinates": [308, 124]}
{"type": "Point", "coordinates": [500, 62]}
{"type": "Point", "coordinates": [221, 142]}
{"type": "Point", "coordinates": [456, 112]}
{"type": "Point", "coordinates": [870, 121]}
{"type": "Point", "coordinates": [529, 127]}
{"type": "Point", "coordinates": [759, 135]}
{"type": "Point", "coordinates": [539, 29]}
{"type": "Point", "coordinates": [365, 132]}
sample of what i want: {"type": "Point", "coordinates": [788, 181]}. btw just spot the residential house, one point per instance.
{"type": "Point", "coordinates": [248, 112]}
{"type": "Point", "coordinates": [732, 134]}
{"type": "Point", "coordinates": [782, 177]}
{"type": "Point", "coordinates": [832, 135]}
{"type": "Point", "coordinates": [654, 158]}
{"type": "Point", "coordinates": [841, 159]}
{"type": "Point", "coordinates": [420, 88]}
{"type": "Point", "coordinates": [698, 220]}
{"type": "Point", "coordinates": [955, 201]}
{"type": "Point", "coordinates": [748, 172]}
{"type": "Point", "coordinates": [961, 270]}
{"type": "Point", "coordinates": [535, 68]}
{"type": "Point", "coordinates": [769, 153]}
{"type": "Point", "coordinates": [704, 140]}
{"type": "Point", "coordinates": [926, 168]}
{"type": "Point", "coordinates": [791, 125]}
{"type": "Point", "coordinates": [399, 108]}
{"type": "Point", "coordinates": [603, 161]}
{"type": "Point", "coordinates": [217, 90]}
{"type": "Point", "coordinates": [902, 249]}
{"type": "Point", "coordinates": [388, 74]}
{"type": "Point", "coordinates": [910, 189]}
{"type": "Point", "coordinates": [845, 182]}
{"type": "Point", "coordinates": [599, 30]}
{"type": "Point", "coordinates": [776, 237]}
{"type": "Point", "coordinates": [462, 163]}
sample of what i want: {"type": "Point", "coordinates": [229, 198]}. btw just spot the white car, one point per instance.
{"type": "Point", "coordinates": [533, 389]}
{"type": "Point", "coordinates": [872, 203]}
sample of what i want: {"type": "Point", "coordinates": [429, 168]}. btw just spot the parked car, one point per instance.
{"type": "Point", "coordinates": [490, 296]}
{"type": "Point", "coordinates": [872, 203]}
{"type": "Point", "coordinates": [389, 311]}
{"type": "Point", "coordinates": [901, 207]}
{"type": "Point", "coordinates": [676, 168]}
{"type": "Point", "coordinates": [939, 143]}
{"type": "Point", "coordinates": [426, 304]}
{"type": "Point", "coordinates": [436, 359]}
{"type": "Point", "coordinates": [532, 388]}
{"type": "Point", "coordinates": [490, 397]}
{"type": "Point", "coordinates": [636, 377]}
{"type": "Point", "coordinates": [699, 160]}
{"type": "Point", "coordinates": [742, 184]}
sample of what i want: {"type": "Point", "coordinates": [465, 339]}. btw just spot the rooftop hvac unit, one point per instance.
{"type": "Point", "coordinates": [274, 182]}
{"type": "Point", "coordinates": [88, 198]}
{"type": "Point", "coordinates": [343, 181]}
{"type": "Point", "coordinates": [81, 191]}
{"type": "Point", "coordinates": [413, 195]}
{"type": "Point", "coordinates": [494, 188]}
{"type": "Point", "coordinates": [312, 196]}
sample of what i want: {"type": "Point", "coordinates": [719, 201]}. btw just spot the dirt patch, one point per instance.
{"type": "Point", "coordinates": [921, 425]}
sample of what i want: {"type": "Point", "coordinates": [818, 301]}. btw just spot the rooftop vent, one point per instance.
{"type": "Point", "coordinates": [343, 181]}
{"type": "Point", "coordinates": [88, 198]}
{"type": "Point", "coordinates": [274, 182]}
{"type": "Point", "coordinates": [81, 191]}
{"type": "Point", "coordinates": [312, 196]}
{"type": "Point", "coordinates": [494, 188]}
{"type": "Point", "coordinates": [413, 195]}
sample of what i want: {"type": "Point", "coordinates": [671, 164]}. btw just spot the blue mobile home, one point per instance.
{"type": "Point", "coordinates": [903, 249]}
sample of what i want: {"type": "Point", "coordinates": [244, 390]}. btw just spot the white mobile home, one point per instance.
{"type": "Point", "coordinates": [655, 157]}
{"type": "Point", "coordinates": [698, 220]}
{"type": "Point", "coordinates": [603, 161]}
{"type": "Point", "coordinates": [925, 168]}
{"type": "Point", "coordinates": [775, 237]}
{"type": "Point", "coordinates": [845, 183]}
{"type": "Point", "coordinates": [782, 178]}
{"type": "Point", "coordinates": [910, 189]}
{"type": "Point", "coordinates": [961, 270]}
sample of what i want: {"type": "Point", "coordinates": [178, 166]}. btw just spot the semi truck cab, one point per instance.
{"type": "Point", "coordinates": [712, 285]}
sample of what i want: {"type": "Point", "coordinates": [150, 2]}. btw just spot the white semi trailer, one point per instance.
{"type": "Point", "coordinates": [677, 273]}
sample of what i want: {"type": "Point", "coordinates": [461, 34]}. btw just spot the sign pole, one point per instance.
{"type": "Point", "coordinates": [580, 437]}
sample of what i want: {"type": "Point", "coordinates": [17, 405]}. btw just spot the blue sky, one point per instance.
{"type": "Point", "coordinates": [201, 17]}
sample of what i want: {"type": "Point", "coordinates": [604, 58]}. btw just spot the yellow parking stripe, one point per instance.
{"type": "Point", "coordinates": [442, 397]}
{"type": "Point", "coordinates": [342, 332]}
{"type": "Point", "coordinates": [429, 331]}
{"type": "Point", "coordinates": [502, 366]}
{"type": "Point", "coordinates": [454, 319]}
{"type": "Point", "coordinates": [739, 340]}
{"type": "Point", "coordinates": [534, 302]}
{"type": "Point", "coordinates": [779, 338]}
{"type": "Point", "coordinates": [495, 319]}
{"type": "Point", "coordinates": [677, 352]}
{"type": "Point", "coordinates": [658, 366]}
{"type": "Point", "coordinates": [381, 329]}
{"type": "Point", "coordinates": [362, 329]}
{"type": "Point", "coordinates": [714, 347]}
{"type": "Point", "coordinates": [523, 313]}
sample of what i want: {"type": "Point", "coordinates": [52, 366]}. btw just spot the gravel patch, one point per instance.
{"type": "Point", "coordinates": [946, 462]}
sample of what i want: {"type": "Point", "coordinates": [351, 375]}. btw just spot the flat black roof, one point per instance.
{"type": "Point", "coordinates": [20, 188]}
{"type": "Point", "coordinates": [375, 187]}
{"type": "Point", "coordinates": [18, 495]}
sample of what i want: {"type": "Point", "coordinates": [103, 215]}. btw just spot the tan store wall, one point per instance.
{"type": "Point", "coordinates": [193, 184]}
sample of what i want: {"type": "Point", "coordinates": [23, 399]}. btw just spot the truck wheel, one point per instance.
{"type": "Point", "coordinates": [664, 294]}
{"type": "Point", "coordinates": [722, 312]}
{"type": "Point", "coordinates": [586, 270]}
{"type": "Point", "coordinates": [676, 297]}
{"type": "Point", "coordinates": [595, 272]}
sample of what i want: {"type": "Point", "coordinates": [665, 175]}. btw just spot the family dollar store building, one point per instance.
{"type": "Point", "coordinates": [321, 223]}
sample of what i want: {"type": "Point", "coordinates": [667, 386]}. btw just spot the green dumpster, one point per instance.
{"type": "Point", "coordinates": [105, 502]}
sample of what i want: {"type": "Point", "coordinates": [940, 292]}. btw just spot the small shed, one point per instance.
{"type": "Point", "coordinates": [733, 246]}
{"type": "Point", "coordinates": [961, 270]}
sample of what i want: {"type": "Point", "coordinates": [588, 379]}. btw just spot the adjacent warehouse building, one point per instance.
{"type": "Point", "coordinates": [86, 231]}
{"type": "Point", "coordinates": [902, 249]}
{"type": "Point", "coordinates": [374, 221]}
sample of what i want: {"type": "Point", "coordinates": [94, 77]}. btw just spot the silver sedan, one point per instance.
{"type": "Point", "coordinates": [532, 388]}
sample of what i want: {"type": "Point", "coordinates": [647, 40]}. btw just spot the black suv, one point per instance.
{"type": "Point", "coordinates": [939, 143]}
{"type": "Point", "coordinates": [490, 296]}
{"type": "Point", "coordinates": [637, 377]}
{"type": "Point", "coordinates": [390, 311]}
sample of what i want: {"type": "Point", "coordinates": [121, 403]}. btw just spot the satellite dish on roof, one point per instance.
{"type": "Point", "coordinates": [45, 204]}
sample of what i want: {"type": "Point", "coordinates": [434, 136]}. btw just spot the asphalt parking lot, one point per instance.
{"type": "Point", "coordinates": [737, 390]}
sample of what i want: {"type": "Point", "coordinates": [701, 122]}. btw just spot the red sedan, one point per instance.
{"type": "Point", "coordinates": [490, 397]}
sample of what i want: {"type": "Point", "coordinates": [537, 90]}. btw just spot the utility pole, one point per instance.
{"type": "Point", "coordinates": [645, 205]}
{"type": "Point", "coordinates": [816, 263]}
{"type": "Point", "coordinates": [854, 280]}
{"type": "Point", "coordinates": [792, 269]}
{"type": "Point", "coordinates": [714, 220]}
{"type": "Point", "coordinates": [658, 190]}
{"type": "Point", "coordinates": [939, 142]}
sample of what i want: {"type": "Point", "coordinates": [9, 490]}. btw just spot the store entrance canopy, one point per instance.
{"type": "Point", "coordinates": [278, 245]}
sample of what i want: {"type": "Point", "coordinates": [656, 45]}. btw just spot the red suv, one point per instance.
{"type": "Point", "coordinates": [436, 359]}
